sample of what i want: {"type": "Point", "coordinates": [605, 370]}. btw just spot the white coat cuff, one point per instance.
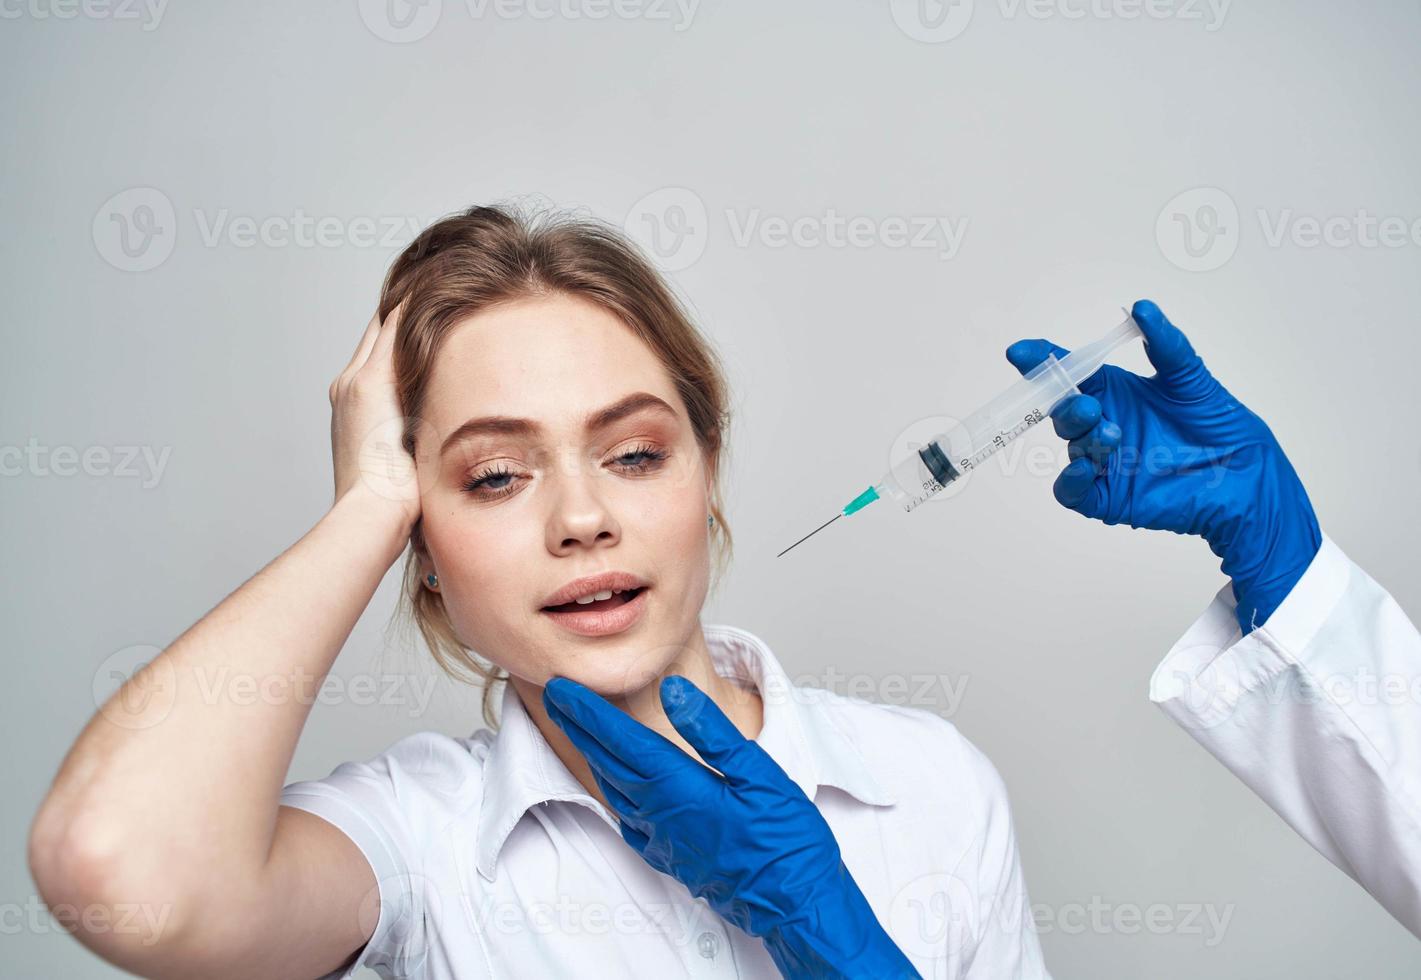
{"type": "Point", "coordinates": [1213, 665]}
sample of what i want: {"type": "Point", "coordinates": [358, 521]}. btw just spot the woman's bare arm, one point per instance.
{"type": "Point", "coordinates": [167, 804]}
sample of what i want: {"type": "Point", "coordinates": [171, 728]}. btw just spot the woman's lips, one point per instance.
{"type": "Point", "coordinates": [601, 618]}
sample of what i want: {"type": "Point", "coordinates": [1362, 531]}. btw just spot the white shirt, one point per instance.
{"type": "Point", "coordinates": [1319, 711]}
{"type": "Point", "coordinates": [493, 861]}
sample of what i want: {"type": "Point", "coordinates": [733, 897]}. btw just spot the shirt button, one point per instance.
{"type": "Point", "coordinates": [709, 944]}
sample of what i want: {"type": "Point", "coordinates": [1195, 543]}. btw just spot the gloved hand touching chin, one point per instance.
{"type": "Point", "coordinates": [745, 838]}
{"type": "Point", "coordinates": [1177, 452]}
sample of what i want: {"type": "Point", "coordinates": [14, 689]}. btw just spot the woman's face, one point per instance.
{"type": "Point", "coordinates": [517, 512]}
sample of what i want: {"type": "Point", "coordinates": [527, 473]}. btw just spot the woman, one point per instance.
{"type": "Point", "coordinates": [533, 414]}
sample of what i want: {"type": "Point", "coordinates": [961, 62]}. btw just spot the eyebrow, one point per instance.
{"type": "Point", "coordinates": [637, 401]}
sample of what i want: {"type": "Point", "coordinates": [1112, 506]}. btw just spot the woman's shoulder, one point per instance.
{"type": "Point", "coordinates": [425, 772]}
{"type": "Point", "coordinates": [911, 749]}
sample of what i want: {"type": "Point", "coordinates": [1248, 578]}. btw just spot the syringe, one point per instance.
{"type": "Point", "coordinates": [921, 471]}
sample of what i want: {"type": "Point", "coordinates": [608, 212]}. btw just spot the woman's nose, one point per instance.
{"type": "Point", "coordinates": [579, 514]}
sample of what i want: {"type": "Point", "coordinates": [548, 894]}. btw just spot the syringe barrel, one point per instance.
{"type": "Point", "coordinates": [921, 471]}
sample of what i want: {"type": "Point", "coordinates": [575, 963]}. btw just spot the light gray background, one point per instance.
{"type": "Point", "coordinates": [1062, 142]}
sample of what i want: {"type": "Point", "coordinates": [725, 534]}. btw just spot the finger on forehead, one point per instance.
{"type": "Point", "coordinates": [386, 338]}
{"type": "Point", "coordinates": [367, 343]}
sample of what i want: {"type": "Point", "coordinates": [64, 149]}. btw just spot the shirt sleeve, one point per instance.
{"type": "Point", "coordinates": [1319, 712]}
{"type": "Point", "coordinates": [364, 801]}
{"type": "Point", "coordinates": [1007, 944]}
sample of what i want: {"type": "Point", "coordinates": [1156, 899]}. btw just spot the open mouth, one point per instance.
{"type": "Point", "coordinates": [598, 605]}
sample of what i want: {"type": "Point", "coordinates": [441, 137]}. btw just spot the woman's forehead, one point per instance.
{"type": "Point", "coordinates": [551, 359]}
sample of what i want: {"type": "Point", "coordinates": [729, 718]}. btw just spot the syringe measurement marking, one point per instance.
{"type": "Point", "coordinates": [930, 487]}
{"type": "Point", "coordinates": [1000, 440]}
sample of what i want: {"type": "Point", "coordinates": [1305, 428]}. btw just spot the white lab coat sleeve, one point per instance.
{"type": "Point", "coordinates": [1319, 712]}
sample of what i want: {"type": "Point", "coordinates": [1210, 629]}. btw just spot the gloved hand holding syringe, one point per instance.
{"type": "Point", "coordinates": [921, 471]}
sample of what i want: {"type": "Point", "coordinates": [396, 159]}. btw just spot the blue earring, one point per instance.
{"type": "Point", "coordinates": [432, 579]}
{"type": "Point", "coordinates": [710, 521]}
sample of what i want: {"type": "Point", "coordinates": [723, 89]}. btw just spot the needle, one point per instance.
{"type": "Point", "coordinates": [812, 533]}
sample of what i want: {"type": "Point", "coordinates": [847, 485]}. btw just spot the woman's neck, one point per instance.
{"type": "Point", "coordinates": [741, 705]}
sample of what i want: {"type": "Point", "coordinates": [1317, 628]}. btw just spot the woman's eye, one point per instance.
{"type": "Point", "coordinates": [499, 482]}
{"type": "Point", "coordinates": [489, 484]}
{"type": "Point", "coordinates": [645, 457]}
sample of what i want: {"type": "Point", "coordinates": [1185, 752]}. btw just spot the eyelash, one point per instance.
{"type": "Point", "coordinates": [475, 484]}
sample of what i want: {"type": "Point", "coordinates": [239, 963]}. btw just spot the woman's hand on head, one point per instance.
{"type": "Point", "coordinates": [367, 426]}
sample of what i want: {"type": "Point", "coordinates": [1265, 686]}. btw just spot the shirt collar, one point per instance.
{"type": "Point", "coordinates": [522, 771]}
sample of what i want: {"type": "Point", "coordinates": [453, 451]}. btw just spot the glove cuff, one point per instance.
{"type": "Point", "coordinates": [836, 935]}
{"type": "Point", "coordinates": [1267, 558]}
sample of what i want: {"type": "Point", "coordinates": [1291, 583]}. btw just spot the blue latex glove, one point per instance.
{"type": "Point", "coordinates": [749, 842]}
{"type": "Point", "coordinates": [1177, 452]}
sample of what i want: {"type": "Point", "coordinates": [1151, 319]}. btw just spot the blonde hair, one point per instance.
{"type": "Point", "coordinates": [493, 254]}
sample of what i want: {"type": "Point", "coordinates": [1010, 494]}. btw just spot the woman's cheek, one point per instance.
{"type": "Point", "coordinates": [478, 591]}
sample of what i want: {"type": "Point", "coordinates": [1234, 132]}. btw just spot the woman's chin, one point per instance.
{"type": "Point", "coordinates": [621, 670]}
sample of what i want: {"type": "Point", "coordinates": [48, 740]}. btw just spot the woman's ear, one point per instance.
{"type": "Point", "coordinates": [710, 462]}
{"type": "Point", "coordinates": [427, 574]}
